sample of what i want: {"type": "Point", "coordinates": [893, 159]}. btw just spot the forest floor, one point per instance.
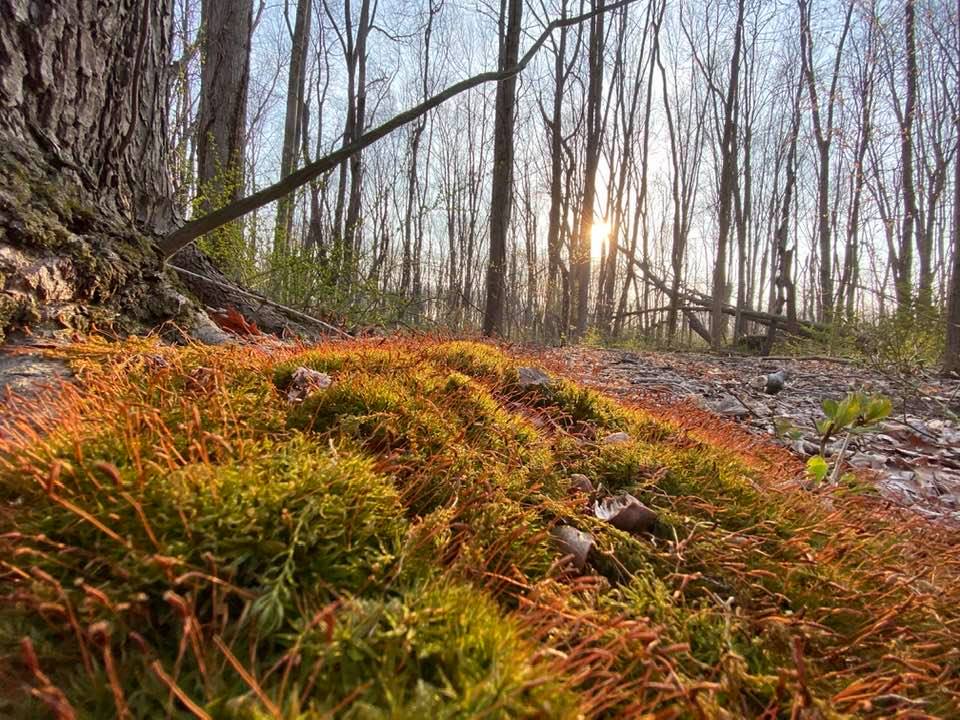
{"type": "Point", "coordinates": [912, 459]}
{"type": "Point", "coordinates": [419, 528]}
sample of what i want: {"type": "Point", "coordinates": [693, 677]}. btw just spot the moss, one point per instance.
{"type": "Point", "coordinates": [442, 650]}
{"type": "Point", "coordinates": [383, 549]}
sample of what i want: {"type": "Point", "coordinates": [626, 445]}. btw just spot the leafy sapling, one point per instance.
{"type": "Point", "coordinates": [855, 414]}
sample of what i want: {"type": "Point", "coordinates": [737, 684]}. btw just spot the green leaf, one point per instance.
{"type": "Point", "coordinates": [818, 468]}
{"type": "Point", "coordinates": [879, 408]}
{"type": "Point", "coordinates": [829, 408]}
{"type": "Point", "coordinates": [847, 411]}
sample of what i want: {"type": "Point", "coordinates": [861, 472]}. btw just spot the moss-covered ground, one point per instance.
{"type": "Point", "coordinates": [179, 539]}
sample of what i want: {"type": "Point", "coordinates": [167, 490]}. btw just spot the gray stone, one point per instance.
{"type": "Point", "coordinates": [22, 372]}
{"type": "Point", "coordinates": [304, 381]}
{"type": "Point", "coordinates": [580, 483]}
{"type": "Point", "coordinates": [730, 407]}
{"type": "Point", "coordinates": [617, 438]}
{"type": "Point", "coordinates": [532, 377]}
{"type": "Point", "coordinates": [207, 331]}
{"type": "Point", "coordinates": [575, 543]}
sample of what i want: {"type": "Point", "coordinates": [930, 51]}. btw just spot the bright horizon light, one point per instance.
{"type": "Point", "coordinates": [599, 233]}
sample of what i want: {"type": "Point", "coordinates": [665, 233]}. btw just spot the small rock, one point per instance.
{"type": "Point", "coordinates": [580, 483]}
{"type": "Point", "coordinates": [731, 407]}
{"type": "Point", "coordinates": [532, 377]}
{"type": "Point", "coordinates": [867, 460]}
{"type": "Point", "coordinates": [207, 331]}
{"type": "Point", "coordinates": [304, 381]}
{"type": "Point", "coordinates": [25, 372]}
{"type": "Point", "coordinates": [575, 543]}
{"type": "Point", "coordinates": [617, 438]}
{"type": "Point", "coordinates": [625, 513]}
{"type": "Point", "coordinates": [776, 381]}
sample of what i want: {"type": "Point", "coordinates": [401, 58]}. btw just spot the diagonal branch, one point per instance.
{"type": "Point", "coordinates": [185, 235]}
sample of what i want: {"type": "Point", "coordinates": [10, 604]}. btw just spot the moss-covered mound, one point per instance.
{"type": "Point", "coordinates": [197, 535]}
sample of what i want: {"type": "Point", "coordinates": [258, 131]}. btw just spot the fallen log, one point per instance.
{"type": "Point", "coordinates": [694, 301]}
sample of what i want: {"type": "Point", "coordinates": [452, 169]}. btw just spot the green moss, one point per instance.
{"type": "Point", "coordinates": [383, 549]}
{"type": "Point", "coordinates": [439, 651]}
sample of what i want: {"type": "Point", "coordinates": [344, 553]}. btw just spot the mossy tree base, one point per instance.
{"type": "Point", "coordinates": [67, 264]}
{"type": "Point", "coordinates": [187, 541]}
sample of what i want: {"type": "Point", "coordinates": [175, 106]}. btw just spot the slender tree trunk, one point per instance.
{"type": "Point", "coordinates": [221, 127]}
{"type": "Point", "coordinates": [501, 194]}
{"type": "Point", "coordinates": [292, 125]}
{"type": "Point", "coordinates": [413, 186]}
{"type": "Point", "coordinates": [951, 361]}
{"type": "Point", "coordinates": [786, 289]}
{"type": "Point", "coordinates": [581, 259]}
{"type": "Point", "coordinates": [952, 351]}
{"type": "Point", "coordinates": [552, 324]}
{"type": "Point", "coordinates": [728, 150]}
{"type": "Point", "coordinates": [351, 224]}
{"type": "Point", "coordinates": [905, 265]}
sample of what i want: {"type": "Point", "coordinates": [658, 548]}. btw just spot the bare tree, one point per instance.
{"type": "Point", "coordinates": [823, 128]}
{"type": "Point", "coordinates": [293, 122]}
{"type": "Point", "coordinates": [580, 260]}
{"type": "Point", "coordinates": [501, 195]}
{"type": "Point", "coordinates": [952, 352]}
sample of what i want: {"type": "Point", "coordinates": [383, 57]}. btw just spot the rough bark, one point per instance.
{"type": "Point", "coordinates": [83, 179]}
{"type": "Point", "coordinates": [84, 87]}
{"type": "Point", "coordinates": [501, 195]}
{"type": "Point", "coordinates": [85, 192]}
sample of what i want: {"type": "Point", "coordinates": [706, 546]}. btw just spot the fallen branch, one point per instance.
{"type": "Point", "coordinates": [702, 301]}
{"type": "Point", "coordinates": [260, 298]}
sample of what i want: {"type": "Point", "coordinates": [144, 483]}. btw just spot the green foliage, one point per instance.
{"type": "Point", "coordinates": [857, 413]}
{"type": "Point", "coordinates": [904, 343]}
{"type": "Point", "coordinates": [818, 468]}
{"type": "Point", "coordinates": [227, 245]}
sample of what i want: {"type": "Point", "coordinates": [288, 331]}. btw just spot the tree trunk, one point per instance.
{"type": "Point", "coordinates": [351, 223]}
{"type": "Point", "coordinates": [728, 150]}
{"type": "Point", "coordinates": [83, 177]}
{"type": "Point", "coordinates": [221, 126]}
{"type": "Point", "coordinates": [905, 265]}
{"type": "Point", "coordinates": [501, 194]}
{"type": "Point", "coordinates": [951, 361]}
{"type": "Point", "coordinates": [292, 125]}
{"type": "Point", "coordinates": [551, 315]}
{"type": "Point", "coordinates": [580, 264]}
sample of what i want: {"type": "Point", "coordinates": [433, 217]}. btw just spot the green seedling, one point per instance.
{"type": "Point", "coordinates": [856, 414]}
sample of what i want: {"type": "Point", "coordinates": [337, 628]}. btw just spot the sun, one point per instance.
{"type": "Point", "coordinates": [599, 234]}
